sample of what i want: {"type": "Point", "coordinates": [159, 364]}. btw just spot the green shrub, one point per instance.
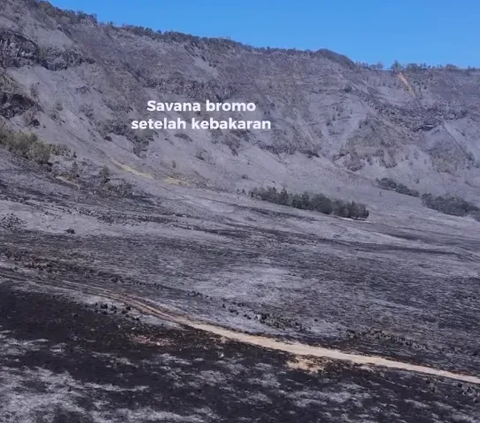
{"type": "Point", "coordinates": [39, 153]}
{"type": "Point", "coordinates": [29, 147]}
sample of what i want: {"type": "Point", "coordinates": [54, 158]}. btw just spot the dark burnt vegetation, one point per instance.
{"type": "Point", "coordinates": [315, 202]}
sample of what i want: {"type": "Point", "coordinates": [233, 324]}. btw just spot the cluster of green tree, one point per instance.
{"type": "Point", "coordinates": [316, 202]}
{"type": "Point", "coordinates": [29, 147]}
{"type": "Point", "coordinates": [391, 185]}
{"type": "Point", "coordinates": [455, 206]}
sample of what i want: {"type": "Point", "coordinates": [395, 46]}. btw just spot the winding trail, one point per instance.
{"type": "Point", "coordinates": [302, 350]}
{"type": "Point", "coordinates": [299, 349]}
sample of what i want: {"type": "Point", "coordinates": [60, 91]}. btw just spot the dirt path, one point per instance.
{"type": "Point", "coordinates": [301, 350]}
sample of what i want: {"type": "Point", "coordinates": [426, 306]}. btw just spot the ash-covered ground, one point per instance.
{"type": "Point", "coordinates": [75, 348]}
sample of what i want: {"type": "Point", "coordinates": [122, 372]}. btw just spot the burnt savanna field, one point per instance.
{"type": "Point", "coordinates": [91, 287]}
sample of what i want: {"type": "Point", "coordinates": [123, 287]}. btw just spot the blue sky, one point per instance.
{"type": "Point", "coordinates": [410, 31]}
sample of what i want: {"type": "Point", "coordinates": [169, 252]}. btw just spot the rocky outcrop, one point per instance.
{"type": "Point", "coordinates": [13, 100]}
{"type": "Point", "coordinates": [195, 90]}
{"type": "Point", "coordinates": [56, 59]}
{"type": "Point", "coordinates": [13, 104]}
{"type": "Point", "coordinates": [16, 50]}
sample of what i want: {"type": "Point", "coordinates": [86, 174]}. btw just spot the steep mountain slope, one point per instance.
{"type": "Point", "coordinates": [336, 125]}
